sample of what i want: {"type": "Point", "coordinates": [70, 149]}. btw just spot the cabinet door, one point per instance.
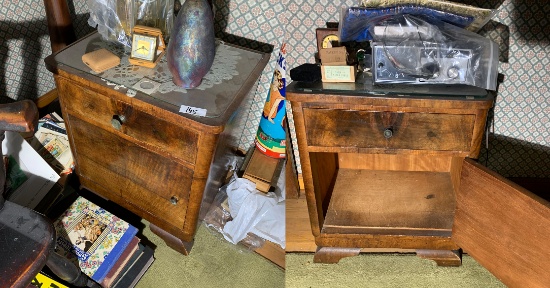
{"type": "Point", "coordinates": [503, 226]}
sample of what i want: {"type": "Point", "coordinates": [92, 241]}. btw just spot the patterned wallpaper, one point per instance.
{"type": "Point", "coordinates": [249, 22]}
{"type": "Point", "coordinates": [24, 43]}
{"type": "Point", "coordinates": [519, 138]}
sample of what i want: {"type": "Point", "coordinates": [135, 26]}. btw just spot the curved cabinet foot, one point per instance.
{"type": "Point", "coordinates": [447, 258]}
{"type": "Point", "coordinates": [333, 254]}
{"type": "Point", "coordinates": [172, 241]}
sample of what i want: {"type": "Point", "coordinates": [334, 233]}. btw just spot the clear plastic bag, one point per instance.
{"type": "Point", "coordinates": [410, 49]}
{"type": "Point", "coordinates": [155, 13]}
{"type": "Point", "coordinates": [115, 19]}
{"type": "Point", "coordinates": [478, 16]}
{"type": "Point", "coordinates": [355, 22]}
{"type": "Point", "coordinates": [218, 215]}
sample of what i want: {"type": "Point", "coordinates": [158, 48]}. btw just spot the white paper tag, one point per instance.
{"type": "Point", "coordinates": [193, 110]}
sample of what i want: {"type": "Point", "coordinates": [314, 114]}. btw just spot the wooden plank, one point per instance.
{"type": "Point", "coordinates": [407, 162]}
{"type": "Point", "coordinates": [273, 253]}
{"type": "Point", "coordinates": [298, 231]}
{"type": "Point", "coordinates": [324, 168]}
{"type": "Point", "coordinates": [46, 99]}
{"type": "Point", "coordinates": [299, 237]}
{"type": "Point", "coordinates": [301, 181]}
{"type": "Point", "coordinates": [291, 176]}
{"type": "Point", "coordinates": [291, 181]}
{"type": "Point", "coordinates": [366, 201]}
{"type": "Point", "coordinates": [503, 226]}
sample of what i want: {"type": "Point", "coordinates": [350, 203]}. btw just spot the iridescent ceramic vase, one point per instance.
{"type": "Point", "coordinates": [191, 48]}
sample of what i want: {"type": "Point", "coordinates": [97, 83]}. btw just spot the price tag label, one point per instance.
{"type": "Point", "coordinates": [193, 110]}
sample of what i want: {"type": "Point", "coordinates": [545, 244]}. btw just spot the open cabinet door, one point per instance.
{"type": "Point", "coordinates": [503, 227]}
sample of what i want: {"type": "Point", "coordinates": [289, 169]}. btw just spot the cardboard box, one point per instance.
{"type": "Point", "coordinates": [333, 56]}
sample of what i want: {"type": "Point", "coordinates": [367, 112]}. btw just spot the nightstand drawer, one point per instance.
{"type": "Point", "coordinates": [144, 178]}
{"type": "Point", "coordinates": [113, 186]}
{"type": "Point", "coordinates": [388, 130]}
{"type": "Point", "coordinates": [107, 113]}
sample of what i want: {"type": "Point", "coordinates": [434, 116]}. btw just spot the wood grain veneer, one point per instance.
{"type": "Point", "coordinates": [515, 247]}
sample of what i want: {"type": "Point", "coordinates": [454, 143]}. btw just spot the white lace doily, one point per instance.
{"type": "Point", "coordinates": [223, 68]}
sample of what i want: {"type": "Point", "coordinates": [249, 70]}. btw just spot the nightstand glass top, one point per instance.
{"type": "Point", "coordinates": [233, 68]}
{"type": "Point", "coordinates": [364, 86]}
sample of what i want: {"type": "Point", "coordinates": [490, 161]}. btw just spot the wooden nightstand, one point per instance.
{"type": "Point", "coordinates": [391, 169]}
{"type": "Point", "coordinates": [133, 144]}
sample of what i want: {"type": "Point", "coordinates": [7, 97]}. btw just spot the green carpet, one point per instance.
{"type": "Point", "coordinates": [385, 270]}
{"type": "Point", "coordinates": [213, 262]}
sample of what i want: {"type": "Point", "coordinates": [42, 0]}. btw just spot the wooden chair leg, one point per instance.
{"type": "Point", "coordinates": [332, 255]}
{"type": "Point", "coordinates": [46, 99]}
{"type": "Point", "coordinates": [60, 25]}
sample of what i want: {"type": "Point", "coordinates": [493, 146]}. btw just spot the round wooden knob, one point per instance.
{"type": "Point", "coordinates": [388, 133]}
{"type": "Point", "coordinates": [117, 121]}
{"type": "Point", "coordinates": [174, 200]}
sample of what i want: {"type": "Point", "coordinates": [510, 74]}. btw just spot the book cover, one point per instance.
{"type": "Point", "coordinates": [92, 237]}
{"type": "Point", "coordinates": [135, 256]}
{"type": "Point", "coordinates": [122, 261]}
{"type": "Point", "coordinates": [138, 265]}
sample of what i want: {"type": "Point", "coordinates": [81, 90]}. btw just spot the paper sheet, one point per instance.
{"type": "Point", "coordinates": [256, 212]}
{"type": "Point", "coordinates": [40, 176]}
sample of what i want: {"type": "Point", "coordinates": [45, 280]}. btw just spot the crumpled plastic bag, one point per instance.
{"type": "Point", "coordinates": [254, 211]}
{"type": "Point", "coordinates": [116, 19]}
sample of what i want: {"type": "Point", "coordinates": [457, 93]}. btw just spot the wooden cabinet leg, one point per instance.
{"type": "Point", "coordinates": [331, 255]}
{"type": "Point", "coordinates": [442, 257]}
{"type": "Point", "coordinates": [172, 241]}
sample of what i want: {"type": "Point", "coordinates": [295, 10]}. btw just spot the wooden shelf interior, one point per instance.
{"type": "Point", "coordinates": [386, 194]}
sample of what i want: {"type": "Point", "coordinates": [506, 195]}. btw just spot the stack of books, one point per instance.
{"type": "Point", "coordinates": [104, 246]}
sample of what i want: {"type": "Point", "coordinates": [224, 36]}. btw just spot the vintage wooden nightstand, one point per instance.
{"type": "Point", "coordinates": [390, 167]}
{"type": "Point", "coordinates": [152, 147]}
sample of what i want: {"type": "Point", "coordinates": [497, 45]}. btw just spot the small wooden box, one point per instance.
{"type": "Point", "coordinates": [262, 170]}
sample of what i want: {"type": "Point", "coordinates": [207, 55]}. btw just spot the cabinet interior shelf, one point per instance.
{"type": "Point", "coordinates": [390, 202]}
{"type": "Point", "coordinates": [386, 194]}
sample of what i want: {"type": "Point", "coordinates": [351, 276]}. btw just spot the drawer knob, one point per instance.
{"type": "Point", "coordinates": [174, 200]}
{"type": "Point", "coordinates": [388, 133]}
{"type": "Point", "coordinates": [117, 121]}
